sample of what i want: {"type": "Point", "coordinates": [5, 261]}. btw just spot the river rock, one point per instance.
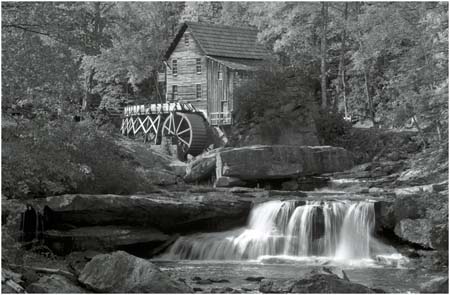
{"type": "Point", "coordinates": [436, 285]}
{"type": "Point", "coordinates": [439, 237]}
{"type": "Point", "coordinates": [225, 181]}
{"type": "Point", "coordinates": [176, 213]}
{"type": "Point", "coordinates": [254, 279]}
{"type": "Point", "coordinates": [120, 272]}
{"type": "Point", "coordinates": [102, 238]}
{"type": "Point", "coordinates": [280, 161]}
{"type": "Point", "coordinates": [77, 260]}
{"type": "Point", "coordinates": [201, 168]}
{"type": "Point", "coordinates": [55, 284]}
{"type": "Point", "coordinates": [226, 290]}
{"type": "Point", "coordinates": [416, 231]}
{"type": "Point", "coordinates": [313, 283]}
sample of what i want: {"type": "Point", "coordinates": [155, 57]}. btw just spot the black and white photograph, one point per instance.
{"type": "Point", "coordinates": [224, 147]}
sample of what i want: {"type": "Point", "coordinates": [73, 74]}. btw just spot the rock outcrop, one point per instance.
{"type": "Point", "coordinates": [313, 282]}
{"type": "Point", "coordinates": [102, 238]}
{"type": "Point", "coordinates": [281, 161]}
{"type": "Point", "coordinates": [268, 162]}
{"type": "Point", "coordinates": [417, 231]}
{"type": "Point", "coordinates": [421, 219]}
{"type": "Point", "coordinates": [120, 272]}
{"type": "Point", "coordinates": [177, 212]}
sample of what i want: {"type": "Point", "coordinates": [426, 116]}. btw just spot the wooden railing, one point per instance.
{"type": "Point", "coordinates": [220, 118]}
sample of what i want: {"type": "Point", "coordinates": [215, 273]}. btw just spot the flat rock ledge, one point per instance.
{"type": "Point", "coordinates": [180, 212]}
{"type": "Point", "coordinates": [268, 162]}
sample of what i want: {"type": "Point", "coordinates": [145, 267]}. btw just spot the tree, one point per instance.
{"type": "Point", "coordinates": [140, 35]}
{"type": "Point", "coordinates": [323, 54]}
{"type": "Point", "coordinates": [208, 12]}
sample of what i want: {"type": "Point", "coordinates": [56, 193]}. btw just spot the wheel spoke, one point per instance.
{"type": "Point", "coordinates": [184, 131]}
{"type": "Point", "coordinates": [179, 125]}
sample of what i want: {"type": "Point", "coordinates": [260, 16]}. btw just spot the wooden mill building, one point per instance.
{"type": "Point", "coordinates": [205, 63]}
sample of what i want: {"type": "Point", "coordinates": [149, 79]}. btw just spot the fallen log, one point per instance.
{"type": "Point", "coordinates": [45, 270]}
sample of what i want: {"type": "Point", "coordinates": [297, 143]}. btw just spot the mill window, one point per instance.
{"type": "Point", "coordinates": [186, 39]}
{"type": "Point", "coordinates": [219, 76]}
{"type": "Point", "coordinates": [174, 67]}
{"type": "Point", "coordinates": [198, 63]}
{"type": "Point", "coordinates": [174, 92]}
{"type": "Point", "coordinates": [198, 91]}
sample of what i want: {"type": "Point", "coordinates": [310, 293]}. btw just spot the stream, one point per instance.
{"type": "Point", "coordinates": [289, 238]}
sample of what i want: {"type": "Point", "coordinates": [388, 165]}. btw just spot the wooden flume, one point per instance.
{"type": "Point", "coordinates": [181, 123]}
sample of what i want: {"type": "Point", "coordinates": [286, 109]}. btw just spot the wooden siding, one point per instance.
{"type": "Point", "coordinates": [219, 91]}
{"type": "Point", "coordinates": [187, 77]}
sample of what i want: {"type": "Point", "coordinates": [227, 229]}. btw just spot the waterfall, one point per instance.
{"type": "Point", "coordinates": [334, 229]}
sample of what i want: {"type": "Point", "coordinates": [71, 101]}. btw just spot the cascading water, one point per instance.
{"type": "Point", "coordinates": [340, 230]}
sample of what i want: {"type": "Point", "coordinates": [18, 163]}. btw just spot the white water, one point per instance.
{"type": "Point", "coordinates": [336, 230]}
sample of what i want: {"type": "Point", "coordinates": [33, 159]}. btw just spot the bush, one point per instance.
{"type": "Point", "coordinates": [331, 127]}
{"type": "Point", "coordinates": [272, 101]}
{"type": "Point", "coordinates": [42, 158]}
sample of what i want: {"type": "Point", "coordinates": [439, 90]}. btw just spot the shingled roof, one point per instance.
{"type": "Point", "coordinates": [223, 41]}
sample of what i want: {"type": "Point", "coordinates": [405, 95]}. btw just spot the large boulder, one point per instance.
{"type": "Point", "coordinates": [417, 231]}
{"type": "Point", "coordinates": [120, 272]}
{"type": "Point", "coordinates": [56, 284]}
{"type": "Point", "coordinates": [436, 285]}
{"type": "Point", "coordinates": [439, 237]}
{"type": "Point", "coordinates": [313, 282]}
{"type": "Point", "coordinates": [175, 212]}
{"type": "Point", "coordinates": [102, 238]}
{"type": "Point", "coordinates": [201, 168]}
{"type": "Point", "coordinates": [281, 161]}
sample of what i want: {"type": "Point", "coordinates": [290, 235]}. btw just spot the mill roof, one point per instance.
{"type": "Point", "coordinates": [223, 41]}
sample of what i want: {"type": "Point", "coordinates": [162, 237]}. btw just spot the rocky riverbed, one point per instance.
{"type": "Point", "coordinates": [411, 214]}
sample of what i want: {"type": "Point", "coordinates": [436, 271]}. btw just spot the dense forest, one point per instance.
{"type": "Point", "coordinates": [383, 62]}
{"type": "Point", "coordinates": [329, 174]}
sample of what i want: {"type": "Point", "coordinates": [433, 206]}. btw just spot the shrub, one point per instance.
{"type": "Point", "coordinates": [42, 158]}
{"type": "Point", "coordinates": [331, 127]}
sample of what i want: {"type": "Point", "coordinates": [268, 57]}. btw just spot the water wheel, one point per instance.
{"type": "Point", "coordinates": [188, 132]}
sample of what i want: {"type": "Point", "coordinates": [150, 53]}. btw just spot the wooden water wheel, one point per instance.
{"type": "Point", "coordinates": [188, 131]}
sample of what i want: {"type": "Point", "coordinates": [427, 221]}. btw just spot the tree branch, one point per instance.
{"type": "Point", "coordinates": [21, 27]}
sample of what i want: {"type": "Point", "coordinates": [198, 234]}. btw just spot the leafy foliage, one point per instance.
{"type": "Point", "coordinates": [275, 98]}
{"type": "Point", "coordinates": [64, 157]}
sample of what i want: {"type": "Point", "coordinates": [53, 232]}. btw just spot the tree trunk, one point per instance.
{"type": "Point", "coordinates": [341, 71]}
{"type": "Point", "coordinates": [369, 98]}
{"type": "Point", "coordinates": [323, 51]}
